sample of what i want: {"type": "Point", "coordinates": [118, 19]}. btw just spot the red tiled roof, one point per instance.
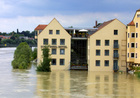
{"type": "Point", "coordinates": [40, 27]}
{"type": "Point", "coordinates": [131, 23]}
{"type": "Point", "coordinates": [104, 24]}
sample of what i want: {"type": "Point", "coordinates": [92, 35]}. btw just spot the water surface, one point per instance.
{"type": "Point", "coordinates": [63, 84]}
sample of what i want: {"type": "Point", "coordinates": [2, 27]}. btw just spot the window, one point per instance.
{"type": "Point", "coordinates": [132, 35]}
{"type": "Point", "coordinates": [53, 51]}
{"type": "Point", "coordinates": [97, 52]}
{"type": "Point", "coordinates": [62, 62]}
{"type": "Point", "coordinates": [136, 55]}
{"type": "Point", "coordinates": [115, 32]}
{"type": "Point", "coordinates": [128, 45]}
{"type": "Point", "coordinates": [53, 41]}
{"type": "Point", "coordinates": [106, 52]}
{"type": "Point", "coordinates": [116, 45]}
{"type": "Point", "coordinates": [62, 51]}
{"type": "Point", "coordinates": [62, 41]}
{"type": "Point", "coordinates": [138, 15]}
{"type": "Point", "coordinates": [53, 61]}
{"type": "Point", "coordinates": [136, 25]}
{"type": "Point", "coordinates": [97, 62]}
{"type": "Point", "coordinates": [57, 31]}
{"type": "Point", "coordinates": [128, 35]}
{"type": "Point", "coordinates": [106, 62]}
{"type": "Point", "coordinates": [50, 31]}
{"type": "Point", "coordinates": [132, 55]}
{"type": "Point", "coordinates": [128, 55]}
{"type": "Point", "coordinates": [98, 43]}
{"type": "Point", "coordinates": [45, 41]}
{"type": "Point", "coordinates": [136, 35]}
{"type": "Point", "coordinates": [136, 45]}
{"type": "Point", "coordinates": [106, 42]}
{"type": "Point", "coordinates": [132, 45]}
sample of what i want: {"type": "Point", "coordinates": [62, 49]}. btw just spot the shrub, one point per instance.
{"type": "Point", "coordinates": [45, 65]}
{"type": "Point", "coordinates": [22, 56]}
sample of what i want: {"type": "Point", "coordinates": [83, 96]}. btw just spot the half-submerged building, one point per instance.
{"type": "Point", "coordinates": [102, 48]}
{"type": "Point", "coordinates": [133, 40]}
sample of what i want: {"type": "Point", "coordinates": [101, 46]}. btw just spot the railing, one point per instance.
{"type": "Point", "coordinates": [79, 66]}
{"type": "Point", "coordinates": [116, 46]}
{"type": "Point", "coordinates": [116, 55]}
{"type": "Point", "coordinates": [80, 35]}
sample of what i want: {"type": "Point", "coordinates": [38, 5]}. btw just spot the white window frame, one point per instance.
{"type": "Point", "coordinates": [131, 45]}
{"type": "Point", "coordinates": [136, 45]}
{"type": "Point", "coordinates": [128, 45]}
{"type": "Point", "coordinates": [137, 25]}
{"type": "Point", "coordinates": [136, 35]}
{"type": "Point", "coordinates": [136, 55]}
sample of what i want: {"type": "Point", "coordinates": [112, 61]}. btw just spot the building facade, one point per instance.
{"type": "Point", "coordinates": [133, 40]}
{"type": "Point", "coordinates": [59, 41]}
{"type": "Point", "coordinates": [94, 49]}
{"type": "Point", "coordinates": [107, 47]}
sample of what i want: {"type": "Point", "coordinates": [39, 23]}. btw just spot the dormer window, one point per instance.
{"type": "Point", "coordinates": [138, 15]}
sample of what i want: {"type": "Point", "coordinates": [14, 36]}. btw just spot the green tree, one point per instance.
{"type": "Point", "coordinates": [45, 65]}
{"type": "Point", "coordinates": [22, 56]}
{"type": "Point", "coordinates": [34, 53]}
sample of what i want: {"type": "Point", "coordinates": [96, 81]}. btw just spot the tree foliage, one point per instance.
{"type": "Point", "coordinates": [22, 56]}
{"type": "Point", "coordinates": [34, 54]}
{"type": "Point", "coordinates": [45, 65]}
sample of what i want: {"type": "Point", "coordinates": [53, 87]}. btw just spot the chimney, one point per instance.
{"type": "Point", "coordinates": [96, 23]}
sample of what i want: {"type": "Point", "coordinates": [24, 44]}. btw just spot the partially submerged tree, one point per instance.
{"type": "Point", "coordinates": [34, 54]}
{"type": "Point", "coordinates": [45, 65]}
{"type": "Point", "coordinates": [22, 56]}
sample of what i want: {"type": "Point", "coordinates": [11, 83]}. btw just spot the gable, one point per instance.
{"type": "Point", "coordinates": [109, 28]}
{"type": "Point", "coordinates": [54, 25]}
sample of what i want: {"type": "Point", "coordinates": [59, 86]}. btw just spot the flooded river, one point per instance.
{"type": "Point", "coordinates": [63, 84]}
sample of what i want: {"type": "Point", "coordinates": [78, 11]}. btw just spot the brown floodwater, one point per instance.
{"type": "Point", "coordinates": [63, 84]}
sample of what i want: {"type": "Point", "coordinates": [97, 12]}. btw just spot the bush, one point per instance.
{"type": "Point", "coordinates": [22, 56]}
{"type": "Point", "coordinates": [45, 65]}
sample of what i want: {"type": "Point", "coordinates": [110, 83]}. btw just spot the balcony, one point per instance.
{"type": "Point", "coordinates": [116, 46]}
{"type": "Point", "coordinates": [79, 67]}
{"type": "Point", "coordinates": [79, 36]}
{"type": "Point", "coordinates": [116, 55]}
{"type": "Point", "coordinates": [115, 68]}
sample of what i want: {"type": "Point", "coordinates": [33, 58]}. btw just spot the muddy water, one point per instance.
{"type": "Point", "coordinates": [63, 84]}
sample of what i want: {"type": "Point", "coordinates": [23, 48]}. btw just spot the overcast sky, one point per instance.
{"type": "Point", "coordinates": [27, 14]}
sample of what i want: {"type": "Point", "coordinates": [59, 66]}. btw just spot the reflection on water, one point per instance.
{"type": "Point", "coordinates": [63, 84]}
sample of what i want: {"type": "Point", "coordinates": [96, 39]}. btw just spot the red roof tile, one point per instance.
{"type": "Point", "coordinates": [40, 27]}
{"type": "Point", "coordinates": [131, 23]}
{"type": "Point", "coordinates": [104, 24]}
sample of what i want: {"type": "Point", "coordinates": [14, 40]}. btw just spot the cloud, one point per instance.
{"type": "Point", "coordinates": [5, 7]}
{"type": "Point", "coordinates": [84, 20]}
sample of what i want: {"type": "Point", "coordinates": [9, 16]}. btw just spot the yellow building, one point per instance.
{"type": "Point", "coordinates": [94, 49]}
{"type": "Point", "coordinates": [60, 41]}
{"type": "Point", "coordinates": [107, 47]}
{"type": "Point", "coordinates": [133, 41]}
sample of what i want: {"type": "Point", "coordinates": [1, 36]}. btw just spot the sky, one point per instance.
{"type": "Point", "coordinates": [27, 14]}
